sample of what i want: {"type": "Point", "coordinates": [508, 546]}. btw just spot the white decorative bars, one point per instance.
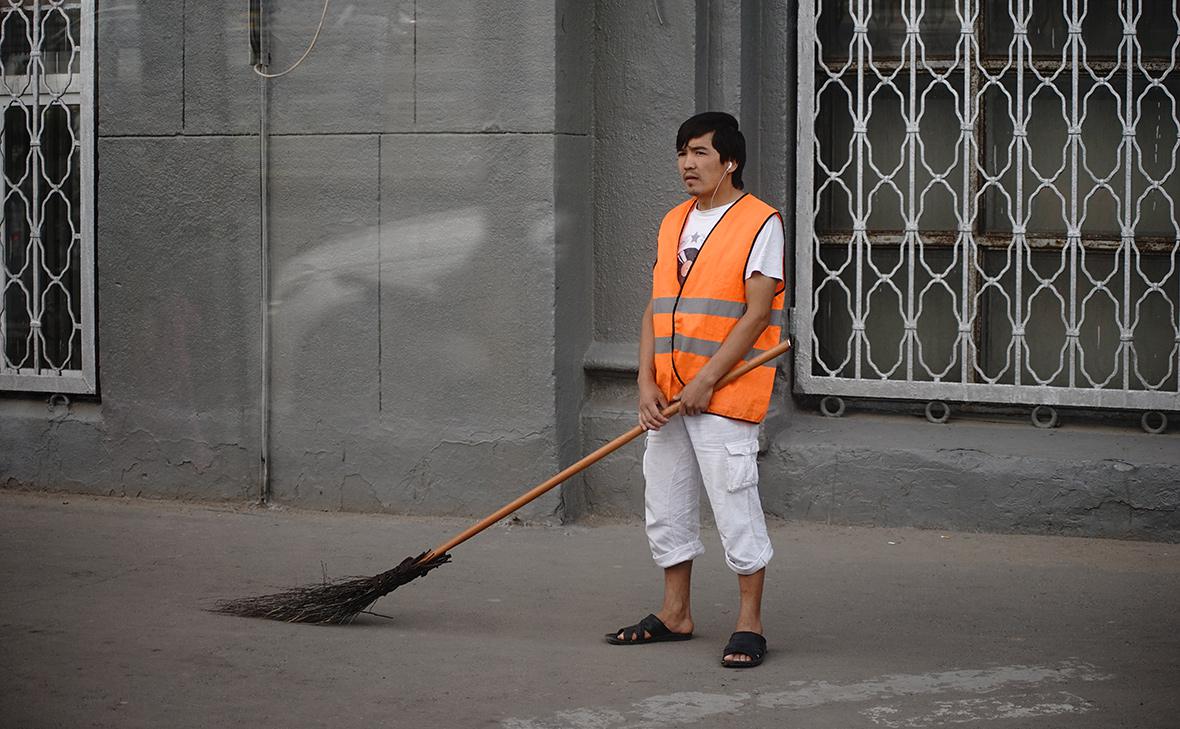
{"type": "Point", "coordinates": [987, 201]}
{"type": "Point", "coordinates": [46, 189]}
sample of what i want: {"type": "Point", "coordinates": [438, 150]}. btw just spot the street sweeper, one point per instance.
{"type": "Point", "coordinates": [710, 337]}
{"type": "Point", "coordinates": [717, 300]}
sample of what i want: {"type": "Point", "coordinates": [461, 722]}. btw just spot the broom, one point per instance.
{"type": "Point", "coordinates": [339, 601]}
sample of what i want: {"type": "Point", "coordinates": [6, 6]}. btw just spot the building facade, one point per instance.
{"type": "Point", "coordinates": [407, 275]}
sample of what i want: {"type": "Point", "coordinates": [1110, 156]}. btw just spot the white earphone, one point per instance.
{"type": "Point", "coordinates": [728, 167]}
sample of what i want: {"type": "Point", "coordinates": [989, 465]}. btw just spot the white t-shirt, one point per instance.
{"type": "Point", "coordinates": [766, 257]}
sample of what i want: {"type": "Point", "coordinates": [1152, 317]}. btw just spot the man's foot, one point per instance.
{"type": "Point", "coordinates": [744, 650]}
{"type": "Point", "coordinates": [749, 622]}
{"type": "Point", "coordinates": [652, 629]}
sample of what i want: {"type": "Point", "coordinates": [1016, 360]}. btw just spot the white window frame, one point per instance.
{"type": "Point", "coordinates": [906, 385]}
{"type": "Point", "coordinates": [80, 93]}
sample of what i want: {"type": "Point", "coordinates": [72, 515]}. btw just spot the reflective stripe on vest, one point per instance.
{"type": "Point", "coordinates": [703, 347]}
{"type": "Point", "coordinates": [691, 320]}
{"type": "Point", "coordinates": [712, 307]}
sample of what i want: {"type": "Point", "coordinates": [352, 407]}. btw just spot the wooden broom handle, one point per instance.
{"type": "Point", "coordinates": [597, 455]}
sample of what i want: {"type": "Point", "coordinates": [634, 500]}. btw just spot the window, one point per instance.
{"type": "Point", "coordinates": [46, 231]}
{"type": "Point", "coordinates": [987, 204]}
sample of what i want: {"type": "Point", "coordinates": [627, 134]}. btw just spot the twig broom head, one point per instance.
{"type": "Point", "coordinates": [335, 602]}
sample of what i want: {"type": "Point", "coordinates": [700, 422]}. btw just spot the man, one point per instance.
{"type": "Point", "coordinates": [717, 295]}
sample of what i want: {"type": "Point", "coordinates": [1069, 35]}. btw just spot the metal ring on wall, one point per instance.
{"type": "Point", "coordinates": [832, 406]}
{"type": "Point", "coordinates": [934, 405]}
{"type": "Point", "coordinates": [58, 399]}
{"type": "Point", "coordinates": [1041, 410]}
{"type": "Point", "coordinates": [1145, 422]}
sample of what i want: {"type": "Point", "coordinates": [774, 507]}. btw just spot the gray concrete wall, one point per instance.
{"type": "Point", "coordinates": [976, 474]}
{"type": "Point", "coordinates": [177, 372]}
{"type": "Point", "coordinates": [644, 83]}
{"type": "Point", "coordinates": [405, 379]}
{"type": "Point", "coordinates": [430, 235]}
{"type": "Point", "coordinates": [574, 234]}
{"type": "Point", "coordinates": [1091, 478]}
{"type": "Point", "coordinates": [644, 86]}
{"type": "Point", "coordinates": [463, 205]}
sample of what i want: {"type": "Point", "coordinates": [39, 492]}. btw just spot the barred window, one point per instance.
{"type": "Point", "coordinates": [46, 230]}
{"type": "Point", "coordinates": [992, 214]}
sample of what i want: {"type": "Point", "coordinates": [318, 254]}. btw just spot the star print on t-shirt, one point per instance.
{"type": "Point", "coordinates": [689, 247]}
{"type": "Point", "coordinates": [766, 255]}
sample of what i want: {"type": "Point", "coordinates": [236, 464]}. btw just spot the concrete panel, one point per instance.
{"type": "Point", "coordinates": [644, 88]}
{"type": "Point", "coordinates": [575, 66]}
{"type": "Point", "coordinates": [467, 301]}
{"type": "Point", "coordinates": [768, 104]}
{"type": "Point", "coordinates": [359, 77]}
{"type": "Point", "coordinates": [378, 66]}
{"type": "Point", "coordinates": [55, 447]}
{"type": "Point", "coordinates": [720, 51]}
{"type": "Point", "coordinates": [421, 468]}
{"type": "Point", "coordinates": [221, 92]}
{"type": "Point", "coordinates": [614, 487]}
{"type": "Point", "coordinates": [178, 312]}
{"type": "Point", "coordinates": [574, 240]}
{"type": "Point", "coordinates": [574, 299]}
{"type": "Point", "coordinates": [486, 66]}
{"type": "Point", "coordinates": [324, 342]}
{"type": "Point", "coordinates": [894, 471]}
{"type": "Point", "coordinates": [140, 67]}
{"type": "Point", "coordinates": [177, 334]}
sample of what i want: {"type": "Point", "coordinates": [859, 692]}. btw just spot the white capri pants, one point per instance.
{"type": "Point", "coordinates": [720, 454]}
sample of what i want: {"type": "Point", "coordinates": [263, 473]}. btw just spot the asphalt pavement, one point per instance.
{"type": "Point", "coordinates": [104, 625]}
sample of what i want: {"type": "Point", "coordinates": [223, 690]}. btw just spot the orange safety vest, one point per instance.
{"type": "Point", "coordinates": [690, 321]}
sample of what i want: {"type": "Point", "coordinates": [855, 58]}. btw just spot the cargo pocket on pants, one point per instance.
{"type": "Point", "coordinates": [741, 465]}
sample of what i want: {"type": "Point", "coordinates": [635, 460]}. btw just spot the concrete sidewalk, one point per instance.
{"type": "Point", "coordinates": [102, 626]}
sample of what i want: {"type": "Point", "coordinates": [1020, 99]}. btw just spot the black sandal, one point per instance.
{"type": "Point", "coordinates": [649, 630]}
{"type": "Point", "coordinates": [747, 644]}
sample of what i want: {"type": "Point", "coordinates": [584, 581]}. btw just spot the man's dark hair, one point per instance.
{"type": "Point", "coordinates": [729, 142]}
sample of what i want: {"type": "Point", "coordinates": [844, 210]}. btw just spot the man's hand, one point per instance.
{"type": "Point", "coordinates": [651, 403]}
{"type": "Point", "coordinates": [694, 398]}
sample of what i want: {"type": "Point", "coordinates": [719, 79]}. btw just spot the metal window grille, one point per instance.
{"type": "Point", "coordinates": [46, 229]}
{"type": "Point", "coordinates": [987, 207]}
